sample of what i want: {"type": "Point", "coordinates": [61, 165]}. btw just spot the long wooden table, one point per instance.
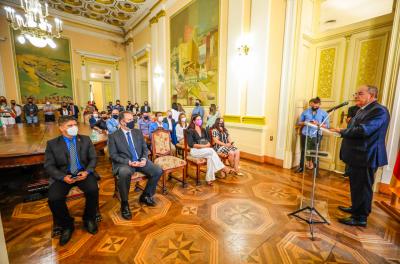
{"type": "Point", "coordinates": [24, 145]}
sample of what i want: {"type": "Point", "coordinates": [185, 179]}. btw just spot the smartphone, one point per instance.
{"type": "Point", "coordinates": [233, 142]}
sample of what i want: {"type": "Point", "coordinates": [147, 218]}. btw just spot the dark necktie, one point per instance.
{"type": "Point", "coordinates": [132, 147]}
{"type": "Point", "coordinates": [73, 158]}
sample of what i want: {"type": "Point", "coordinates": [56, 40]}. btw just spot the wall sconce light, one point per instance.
{"type": "Point", "coordinates": [244, 49]}
{"type": "Point", "coordinates": [158, 76]}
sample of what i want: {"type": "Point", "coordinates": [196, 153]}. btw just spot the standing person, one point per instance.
{"type": "Point", "coordinates": [212, 116]}
{"type": "Point", "coordinates": [314, 115]}
{"type": "Point", "coordinates": [64, 109]}
{"type": "Point", "coordinates": [145, 108]}
{"type": "Point", "coordinates": [363, 150]}
{"type": "Point", "coordinates": [48, 110]}
{"type": "Point", "coordinates": [224, 144]}
{"type": "Point", "coordinates": [200, 147]}
{"type": "Point", "coordinates": [180, 126]}
{"type": "Point", "coordinates": [112, 123]}
{"type": "Point", "coordinates": [175, 112]}
{"type": "Point", "coordinates": [118, 106]}
{"type": "Point", "coordinates": [129, 106]}
{"type": "Point", "coordinates": [17, 109]}
{"type": "Point", "coordinates": [128, 152]}
{"type": "Point", "coordinates": [351, 112]}
{"type": "Point", "coordinates": [73, 110]}
{"type": "Point", "coordinates": [180, 108]}
{"type": "Point", "coordinates": [171, 126]}
{"type": "Point", "coordinates": [198, 109]}
{"type": "Point", "coordinates": [136, 108]}
{"type": "Point", "coordinates": [110, 107]}
{"type": "Point", "coordinates": [31, 112]}
{"type": "Point", "coordinates": [6, 113]}
{"type": "Point", "coordinates": [70, 160]}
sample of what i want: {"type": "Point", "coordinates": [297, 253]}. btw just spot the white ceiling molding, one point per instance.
{"type": "Point", "coordinates": [98, 56]}
{"type": "Point", "coordinates": [142, 51]}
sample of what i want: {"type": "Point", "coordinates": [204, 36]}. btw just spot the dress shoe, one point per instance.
{"type": "Point", "coordinates": [299, 170]}
{"type": "Point", "coordinates": [91, 226]}
{"type": "Point", "coordinates": [345, 209]}
{"type": "Point", "coordinates": [66, 235]}
{"type": "Point", "coordinates": [147, 200]}
{"type": "Point", "coordinates": [351, 221]}
{"type": "Point", "coordinates": [126, 212]}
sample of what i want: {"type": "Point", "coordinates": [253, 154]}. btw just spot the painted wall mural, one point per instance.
{"type": "Point", "coordinates": [44, 73]}
{"type": "Point", "coordinates": [194, 53]}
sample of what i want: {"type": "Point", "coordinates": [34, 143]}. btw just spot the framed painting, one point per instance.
{"type": "Point", "coordinates": [194, 50]}
{"type": "Point", "coordinates": [44, 73]}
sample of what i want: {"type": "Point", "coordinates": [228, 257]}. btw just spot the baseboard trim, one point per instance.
{"type": "Point", "coordinates": [262, 159]}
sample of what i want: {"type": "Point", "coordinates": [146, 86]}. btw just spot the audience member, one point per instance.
{"type": "Point", "coordinates": [180, 108]}
{"type": "Point", "coordinates": [145, 108]}
{"type": "Point", "coordinates": [175, 112]}
{"type": "Point", "coordinates": [118, 106]}
{"type": "Point", "coordinates": [110, 107]}
{"type": "Point", "coordinates": [89, 109]}
{"type": "Point", "coordinates": [101, 124]}
{"type": "Point", "coordinates": [94, 118]}
{"type": "Point", "coordinates": [157, 124]}
{"type": "Point", "coordinates": [129, 106]}
{"type": "Point", "coordinates": [136, 108]}
{"type": "Point", "coordinates": [31, 112]}
{"type": "Point", "coordinates": [64, 109]}
{"type": "Point", "coordinates": [73, 110]}
{"type": "Point", "coordinates": [171, 126]}
{"type": "Point", "coordinates": [6, 113]}
{"type": "Point", "coordinates": [17, 109]}
{"type": "Point", "coordinates": [212, 116]}
{"type": "Point", "coordinates": [48, 110]}
{"type": "Point", "coordinates": [223, 144]}
{"type": "Point", "coordinates": [200, 147]}
{"type": "Point", "coordinates": [144, 123]}
{"type": "Point", "coordinates": [180, 126]}
{"type": "Point", "coordinates": [112, 123]}
{"type": "Point", "coordinates": [198, 109]}
{"type": "Point", "coordinates": [128, 152]}
{"type": "Point", "coordinates": [76, 168]}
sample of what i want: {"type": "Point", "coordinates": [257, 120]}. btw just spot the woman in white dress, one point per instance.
{"type": "Point", "coordinates": [180, 126]}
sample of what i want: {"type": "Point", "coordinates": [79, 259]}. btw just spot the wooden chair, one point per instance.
{"type": "Point", "coordinates": [136, 177]}
{"type": "Point", "coordinates": [180, 149]}
{"type": "Point", "coordinates": [222, 156]}
{"type": "Point", "coordinates": [162, 155]}
{"type": "Point", "coordinates": [198, 162]}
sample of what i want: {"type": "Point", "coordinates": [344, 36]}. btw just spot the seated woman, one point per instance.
{"type": "Point", "coordinates": [201, 148]}
{"type": "Point", "coordinates": [224, 145]}
{"type": "Point", "coordinates": [180, 126]}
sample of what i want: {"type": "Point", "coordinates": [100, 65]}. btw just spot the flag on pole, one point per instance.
{"type": "Point", "coordinates": [395, 182]}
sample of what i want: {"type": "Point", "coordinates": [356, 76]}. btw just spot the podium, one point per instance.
{"type": "Point", "coordinates": [313, 151]}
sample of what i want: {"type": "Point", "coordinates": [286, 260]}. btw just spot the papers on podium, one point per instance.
{"type": "Point", "coordinates": [324, 130]}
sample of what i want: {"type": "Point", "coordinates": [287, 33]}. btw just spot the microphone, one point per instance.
{"type": "Point", "coordinates": [338, 106]}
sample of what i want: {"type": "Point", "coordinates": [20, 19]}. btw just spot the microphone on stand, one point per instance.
{"type": "Point", "coordinates": [338, 106]}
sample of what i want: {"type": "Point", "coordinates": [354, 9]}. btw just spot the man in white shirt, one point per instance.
{"type": "Point", "coordinates": [16, 108]}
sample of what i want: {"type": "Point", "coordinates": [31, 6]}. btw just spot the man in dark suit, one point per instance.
{"type": "Point", "coordinates": [145, 108]}
{"type": "Point", "coordinates": [70, 160]}
{"type": "Point", "coordinates": [128, 151]}
{"type": "Point", "coordinates": [73, 110]}
{"type": "Point", "coordinates": [363, 150]}
{"type": "Point", "coordinates": [171, 126]}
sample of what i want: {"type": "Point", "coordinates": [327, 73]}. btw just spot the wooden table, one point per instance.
{"type": "Point", "coordinates": [24, 145]}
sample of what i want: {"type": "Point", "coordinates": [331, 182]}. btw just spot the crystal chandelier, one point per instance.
{"type": "Point", "coordinates": [34, 26]}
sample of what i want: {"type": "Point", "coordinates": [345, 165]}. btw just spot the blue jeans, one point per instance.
{"type": "Point", "coordinates": [31, 119]}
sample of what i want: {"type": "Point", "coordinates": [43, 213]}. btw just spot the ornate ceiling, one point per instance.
{"type": "Point", "coordinates": [120, 13]}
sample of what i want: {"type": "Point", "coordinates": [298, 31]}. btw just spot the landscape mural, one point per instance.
{"type": "Point", "coordinates": [44, 73]}
{"type": "Point", "coordinates": [194, 53]}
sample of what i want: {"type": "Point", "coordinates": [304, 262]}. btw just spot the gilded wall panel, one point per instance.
{"type": "Point", "coordinates": [326, 72]}
{"type": "Point", "coordinates": [368, 64]}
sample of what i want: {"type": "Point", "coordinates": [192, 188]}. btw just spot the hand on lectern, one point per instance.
{"type": "Point", "coordinates": [335, 129]}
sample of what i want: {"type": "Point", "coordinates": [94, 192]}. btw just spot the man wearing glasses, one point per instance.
{"type": "Point", "coordinates": [363, 150]}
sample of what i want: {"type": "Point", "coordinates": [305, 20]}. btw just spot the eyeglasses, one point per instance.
{"type": "Point", "coordinates": [358, 94]}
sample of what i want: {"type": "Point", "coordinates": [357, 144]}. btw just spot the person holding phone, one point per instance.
{"type": "Point", "coordinates": [223, 144]}
{"type": "Point", "coordinates": [70, 160]}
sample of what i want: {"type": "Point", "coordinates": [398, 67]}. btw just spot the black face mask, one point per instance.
{"type": "Point", "coordinates": [197, 104]}
{"type": "Point", "coordinates": [30, 102]}
{"type": "Point", "coordinates": [131, 124]}
{"type": "Point", "coordinates": [104, 118]}
{"type": "Point", "coordinates": [115, 116]}
{"type": "Point", "coordinates": [146, 118]}
{"type": "Point", "coordinates": [169, 116]}
{"type": "Point", "coordinates": [13, 103]}
{"type": "Point", "coordinates": [314, 108]}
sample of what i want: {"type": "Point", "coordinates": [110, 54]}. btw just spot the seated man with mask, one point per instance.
{"type": "Point", "coordinates": [128, 152]}
{"type": "Point", "coordinates": [112, 123]}
{"type": "Point", "coordinates": [70, 160]}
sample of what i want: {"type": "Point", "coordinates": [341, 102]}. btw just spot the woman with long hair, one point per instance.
{"type": "Point", "coordinates": [223, 144]}
{"type": "Point", "coordinates": [201, 148]}
{"type": "Point", "coordinates": [212, 116]}
{"type": "Point", "coordinates": [180, 126]}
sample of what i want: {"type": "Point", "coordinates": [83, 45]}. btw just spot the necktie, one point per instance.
{"type": "Point", "coordinates": [73, 157]}
{"type": "Point", "coordinates": [73, 110]}
{"type": "Point", "coordinates": [132, 147]}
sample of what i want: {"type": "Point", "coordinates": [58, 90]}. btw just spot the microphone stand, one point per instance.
{"type": "Point", "coordinates": [311, 208]}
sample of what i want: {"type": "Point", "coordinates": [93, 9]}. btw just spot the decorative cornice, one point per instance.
{"type": "Point", "coordinates": [153, 20]}
{"type": "Point", "coordinates": [161, 14]}
{"type": "Point", "coordinates": [86, 55]}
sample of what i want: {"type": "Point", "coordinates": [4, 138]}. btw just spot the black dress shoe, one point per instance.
{"type": "Point", "coordinates": [351, 221]}
{"type": "Point", "coordinates": [66, 235]}
{"type": "Point", "coordinates": [91, 226]}
{"type": "Point", "coordinates": [345, 209]}
{"type": "Point", "coordinates": [299, 170]}
{"type": "Point", "coordinates": [147, 200]}
{"type": "Point", "coordinates": [126, 212]}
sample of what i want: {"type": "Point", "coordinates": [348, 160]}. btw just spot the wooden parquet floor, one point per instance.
{"type": "Point", "coordinates": [241, 219]}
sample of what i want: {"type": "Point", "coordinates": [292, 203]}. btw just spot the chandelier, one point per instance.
{"type": "Point", "coordinates": [34, 25]}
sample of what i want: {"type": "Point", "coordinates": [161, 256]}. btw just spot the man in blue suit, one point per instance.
{"type": "Point", "coordinates": [363, 150]}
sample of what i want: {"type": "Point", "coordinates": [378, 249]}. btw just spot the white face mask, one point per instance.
{"type": "Point", "coordinates": [160, 119]}
{"type": "Point", "coordinates": [183, 119]}
{"type": "Point", "coordinates": [48, 103]}
{"type": "Point", "coordinates": [95, 115]}
{"type": "Point", "coordinates": [72, 131]}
